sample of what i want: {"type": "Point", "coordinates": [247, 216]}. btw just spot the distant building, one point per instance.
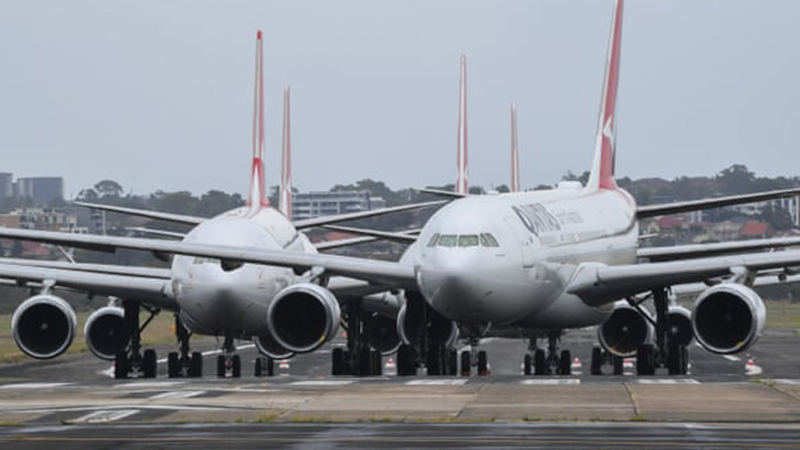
{"type": "Point", "coordinates": [6, 185]}
{"type": "Point", "coordinates": [42, 190]}
{"type": "Point", "coordinates": [788, 204]}
{"type": "Point", "coordinates": [48, 219]}
{"type": "Point", "coordinates": [315, 204]}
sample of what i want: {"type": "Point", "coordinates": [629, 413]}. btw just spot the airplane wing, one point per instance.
{"type": "Point", "coordinates": [145, 272]}
{"type": "Point", "coordinates": [167, 217]}
{"type": "Point", "coordinates": [643, 212]}
{"type": "Point", "coordinates": [299, 224]}
{"type": "Point", "coordinates": [153, 291]}
{"type": "Point", "coordinates": [657, 254]}
{"type": "Point", "coordinates": [339, 243]}
{"type": "Point", "coordinates": [599, 284]}
{"type": "Point", "coordinates": [405, 237]}
{"type": "Point", "coordinates": [154, 232]}
{"type": "Point", "coordinates": [327, 220]}
{"type": "Point", "coordinates": [380, 272]}
{"type": "Point", "coordinates": [441, 193]}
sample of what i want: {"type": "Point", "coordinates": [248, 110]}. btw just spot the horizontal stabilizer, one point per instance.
{"type": "Point", "coordinates": [441, 193]}
{"type": "Point", "coordinates": [167, 217]}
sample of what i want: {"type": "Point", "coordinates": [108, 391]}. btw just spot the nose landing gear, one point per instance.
{"type": "Point", "coordinates": [229, 364]}
{"type": "Point", "coordinates": [551, 362]}
{"type": "Point", "coordinates": [184, 363]}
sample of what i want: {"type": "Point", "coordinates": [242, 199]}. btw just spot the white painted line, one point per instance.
{"type": "Point", "coordinates": [666, 381]}
{"type": "Point", "coordinates": [438, 382]}
{"type": "Point", "coordinates": [153, 384]}
{"type": "Point", "coordinates": [177, 394]}
{"type": "Point", "coordinates": [550, 382]}
{"type": "Point", "coordinates": [322, 383]}
{"type": "Point", "coordinates": [733, 358]}
{"type": "Point", "coordinates": [33, 385]}
{"type": "Point", "coordinates": [783, 381]}
{"type": "Point", "coordinates": [105, 416]}
{"type": "Point", "coordinates": [121, 407]}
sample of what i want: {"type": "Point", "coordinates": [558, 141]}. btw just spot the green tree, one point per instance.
{"type": "Point", "coordinates": [108, 188]}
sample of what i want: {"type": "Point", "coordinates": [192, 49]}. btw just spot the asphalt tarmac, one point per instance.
{"type": "Point", "coordinates": [72, 402]}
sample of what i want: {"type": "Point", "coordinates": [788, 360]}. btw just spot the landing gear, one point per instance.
{"type": "Point", "coordinates": [551, 362]}
{"type": "Point", "coordinates": [229, 364]}
{"type": "Point", "coordinates": [601, 357]}
{"type": "Point", "coordinates": [130, 362]}
{"type": "Point", "coordinates": [264, 367]}
{"type": "Point", "coordinates": [358, 358]}
{"type": "Point", "coordinates": [664, 354]}
{"type": "Point", "coordinates": [184, 364]}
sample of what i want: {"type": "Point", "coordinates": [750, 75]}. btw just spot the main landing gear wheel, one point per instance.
{"type": "Point", "coordinates": [677, 360]}
{"type": "Point", "coordinates": [264, 367]}
{"type": "Point", "coordinates": [539, 362]}
{"type": "Point", "coordinates": [664, 354]}
{"type": "Point", "coordinates": [466, 363]}
{"type": "Point", "coordinates": [130, 362]}
{"type": "Point", "coordinates": [406, 361]}
{"type": "Point", "coordinates": [645, 362]}
{"type": "Point", "coordinates": [483, 364]}
{"type": "Point", "coordinates": [565, 363]}
{"type": "Point", "coordinates": [527, 364]}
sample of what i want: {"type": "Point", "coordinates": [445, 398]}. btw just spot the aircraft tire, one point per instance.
{"type": "Point", "coordinates": [539, 362]}
{"type": "Point", "coordinates": [173, 365]}
{"type": "Point", "coordinates": [236, 370]}
{"type": "Point", "coordinates": [258, 367]}
{"type": "Point", "coordinates": [526, 364]}
{"type": "Point", "coordinates": [196, 365]}
{"type": "Point", "coordinates": [149, 363]}
{"type": "Point", "coordinates": [619, 365]}
{"type": "Point", "coordinates": [337, 361]}
{"type": "Point", "coordinates": [597, 361]}
{"type": "Point", "coordinates": [452, 362]}
{"type": "Point", "coordinates": [376, 362]}
{"type": "Point", "coordinates": [565, 363]}
{"type": "Point", "coordinates": [466, 363]}
{"type": "Point", "coordinates": [645, 364]}
{"type": "Point", "coordinates": [121, 365]}
{"type": "Point", "coordinates": [220, 366]}
{"type": "Point", "coordinates": [483, 364]}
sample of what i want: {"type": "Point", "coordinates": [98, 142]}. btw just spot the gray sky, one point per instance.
{"type": "Point", "coordinates": [158, 94]}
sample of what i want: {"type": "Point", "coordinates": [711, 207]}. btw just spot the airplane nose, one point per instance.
{"type": "Point", "coordinates": [455, 295]}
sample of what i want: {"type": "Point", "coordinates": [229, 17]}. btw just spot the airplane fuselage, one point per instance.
{"type": "Point", "coordinates": [506, 259]}
{"type": "Point", "coordinates": [217, 297]}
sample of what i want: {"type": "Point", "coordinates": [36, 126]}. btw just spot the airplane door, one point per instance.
{"type": "Point", "coordinates": [524, 239]}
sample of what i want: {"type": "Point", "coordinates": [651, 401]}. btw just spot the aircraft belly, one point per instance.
{"type": "Point", "coordinates": [567, 311]}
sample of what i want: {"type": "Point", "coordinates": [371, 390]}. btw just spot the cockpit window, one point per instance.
{"type": "Point", "coordinates": [487, 240]}
{"type": "Point", "coordinates": [468, 240]}
{"type": "Point", "coordinates": [433, 240]}
{"type": "Point", "coordinates": [447, 240]}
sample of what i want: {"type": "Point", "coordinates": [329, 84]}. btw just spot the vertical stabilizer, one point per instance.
{"type": "Point", "coordinates": [515, 183]}
{"type": "Point", "coordinates": [602, 175]}
{"type": "Point", "coordinates": [285, 193]}
{"type": "Point", "coordinates": [462, 182]}
{"type": "Point", "coordinates": [258, 194]}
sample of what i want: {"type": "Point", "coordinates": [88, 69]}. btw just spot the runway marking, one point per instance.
{"type": "Point", "coordinates": [177, 394]}
{"type": "Point", "coordinates": [33, 385]}
{"type": "Point", "coordinates": [322, 383]}
{"type": "Point", "coordinates": [733, 358]}
{"type": "Point", "coordinates": [105, 416]}
{"type": "Point", "coordinates": [782, 381]}
{"type": "Point", "coordinates": [120, 407]}
{"type": "Point", "coordinates": [153, 384]}
{"type": "Point", "coordinates": [550, 382]}
{"type": "Point", "coordinates": [435, 382]}
{"type": "Point", "coordinates": [213, 352]}
{"type": "Point", "coordinates": [666, 381]}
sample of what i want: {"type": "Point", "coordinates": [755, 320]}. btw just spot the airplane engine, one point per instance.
{"type": "Point", "coordinates": [303, 316]}
{"type": "Point", "coordinates": [625, 331]}
{"type": "Point", "coordinates": [680, 326]}
{"type": "Point", "coordinates": [383, 335]}
{"type": "Point", "coordinates": [442, 330]}
{"type": "Point", "coordinates": [105, 332]}
{"type": "Point", "coordinates": [728, 318]}
{"type": "Point", "coordinates": [268, 346]}
{"type": "Point", "coordinates": [44, 326]}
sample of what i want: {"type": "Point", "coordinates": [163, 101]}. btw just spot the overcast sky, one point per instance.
{"type": "Point", "coordinates": [158, 94]}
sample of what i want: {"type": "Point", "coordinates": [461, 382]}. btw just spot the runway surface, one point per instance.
{"type": "Point", "coordinates": [755, 396]}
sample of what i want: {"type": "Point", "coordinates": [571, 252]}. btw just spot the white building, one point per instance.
{"type": "Point", "coordinates": [315, 204]}
{"type": "Point", "coordinates": [788, 204]}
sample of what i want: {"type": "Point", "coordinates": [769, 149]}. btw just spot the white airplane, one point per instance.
{"type": "Point", "coordinates": [218, 297]}
{"type": "Point", "coordinates": [526, 264]}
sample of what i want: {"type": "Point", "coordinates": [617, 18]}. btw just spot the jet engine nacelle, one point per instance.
{"type": "Point", "coordinates": [303, 316]}
{"type": "Point", "coordinates": [442, 330]}
{"type": "Point", "coordinates": [728, 318]}
{"type": "Point", "coordinates": [382, 333]}
{"type": "Point", "coordinates": [44, 326]}
{"type": "Point", "coordinates": [625, 331]}
{"type": "Point", "coordinates": [105, 332]}
{"type": "Point", "coordinates": [680, 330]}
{"type": "Point", "coordinates": [268, 346]}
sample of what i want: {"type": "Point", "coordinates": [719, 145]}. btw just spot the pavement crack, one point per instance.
{"type": "Point", "coordinates": [632, 396]}
{"type": "Point", "coordinates": [468, 403]}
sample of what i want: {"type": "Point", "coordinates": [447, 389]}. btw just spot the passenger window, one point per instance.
{"type": "Point", "coordinates": [468, 240]}
{"type": "Point", "coordinates": [433, 240]}
{"type": "Point", "coordinates": [488, 240]}
{"type": "Point", "coordinates": [447, 240]}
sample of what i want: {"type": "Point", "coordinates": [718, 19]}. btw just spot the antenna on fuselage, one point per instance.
{"type": "Point", "coordinates": [515, 183]}
{"type": "Point", "coordinates": [285, 192]}
{"type": "Point", "coordinates": [602, 174]}
{"type": "Point", "coordinates": [462, 183]}
{"type": "Point", "coordinates": [258, 196]}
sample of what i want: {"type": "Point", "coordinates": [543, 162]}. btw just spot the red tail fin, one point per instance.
{"type": "Point", "coordinates": [258, 193]}
{"type": "Point", "coordinates": [285, 194]}
{"type": "Point", "coordinates": [602, 175]}
{"type": "Point", "coordinates": [462, 183]}
{"type": "Point", "coordinates": [515, 183]}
